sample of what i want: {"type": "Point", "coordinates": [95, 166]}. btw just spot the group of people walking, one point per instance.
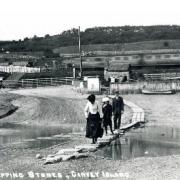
{"type": "Point", "coordinates": [95, 121]}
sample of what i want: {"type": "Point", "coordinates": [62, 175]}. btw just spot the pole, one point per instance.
{"type": "Point", "coordinates": [80, 52]}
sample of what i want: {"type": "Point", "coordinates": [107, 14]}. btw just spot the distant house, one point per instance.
{"type": "Point", "coordinates": [117, 73]}
{"type": "Point", "coordinates": [89, 71]}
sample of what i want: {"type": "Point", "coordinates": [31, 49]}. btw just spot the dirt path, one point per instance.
{"type": "Point", "coordinates": [54, 106]}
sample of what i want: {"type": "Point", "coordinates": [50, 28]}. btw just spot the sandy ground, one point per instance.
{"type": "Point", "coordinates": [159, 110]}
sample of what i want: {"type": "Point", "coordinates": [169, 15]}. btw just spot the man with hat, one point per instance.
{"type": "Point", "coordinates": [107, 114]}
{"type": "Point", "coordinates": [118, 109]}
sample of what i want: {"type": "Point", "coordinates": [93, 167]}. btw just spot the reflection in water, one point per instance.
{"type": "Point", "coordinates": [31, 137]}
{"type": "Point", "coordinates": [150, 141]}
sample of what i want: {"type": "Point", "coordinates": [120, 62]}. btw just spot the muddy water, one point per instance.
{"type": "Point", "coordinates": [141, 142]}
{"type": "Point", "coordinates": [32, 137]}
{"type": "Point", "coordinates": [144, 142]}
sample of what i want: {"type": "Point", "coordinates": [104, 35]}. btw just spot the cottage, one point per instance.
{"type": "Point", "coordinates": [89, 71]}
{"type": "Point", "coordinates": [117, 73]}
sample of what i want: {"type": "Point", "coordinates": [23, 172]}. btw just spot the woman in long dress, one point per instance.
{"type": "Point", "coordinates": [93, 119]}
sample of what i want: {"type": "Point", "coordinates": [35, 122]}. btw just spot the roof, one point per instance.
{"type": "Point", "coordinates": [118, 67]}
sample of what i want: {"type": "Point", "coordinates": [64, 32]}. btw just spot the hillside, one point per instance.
{"type": "Point", "coordinates": [98, 35]}
{"type": "Point", "coordinates": [136, 46]}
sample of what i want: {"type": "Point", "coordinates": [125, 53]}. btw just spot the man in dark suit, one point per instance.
{"type": "Point", "coordinates": [118, 109]}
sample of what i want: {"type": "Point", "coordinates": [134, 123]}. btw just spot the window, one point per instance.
{"type": "Point", "coordinates": [136, 57]}
{"type": "Point", "coordinates": [158, 56]}
{"type": "Point", "coordinates": [176, 55]}
{"type": "Point", "coordinates": [167, 56]}
{"type": "Point", "coordinates": [126, 58]}
{"type": "Point", "coordinates": [117, 58]}
{"type": "Point", "coordinates": [148, 57]}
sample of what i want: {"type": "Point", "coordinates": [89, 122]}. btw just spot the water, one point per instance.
{"type": "Point", "coordinates": [31, 136]}
{"type": "Point", "coordinates": [144, 142]}
{"type": "Point", "coordinates": [149, 141]}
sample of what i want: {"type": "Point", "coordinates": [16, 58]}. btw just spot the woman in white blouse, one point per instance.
{"type": "Point", "coordinates": [93, 119]}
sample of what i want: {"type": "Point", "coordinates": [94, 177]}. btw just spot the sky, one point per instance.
{"type": "Point", "coordinates": [26, 18]}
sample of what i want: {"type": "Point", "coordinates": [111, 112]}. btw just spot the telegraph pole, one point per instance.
{"type": "Point", "coordinates": [80, 52]}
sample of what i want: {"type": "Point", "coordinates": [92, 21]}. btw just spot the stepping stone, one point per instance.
{"type": "Point", "coordinates": [39, 156]}
{"type": "Point", "coordinates": [57, 135]}
{"type": "Point", "coordinates": [122, 132]}
{"type": "Point", "coordinates": [51, 155]}
{"type": "Point", "coordinates": [62, 136]}
{"type": "Point", "coordinates": [138, 119]}
{"type": "Point", "coordinates": [81, 155]}
{"type": "Point", "coordinates": [58, 158]}
{"type": "Point", "coordinates": [87, 147]}
{"type": "Point", "coordinates": [54, 159]}
{"type": "Point", "coordinates": [134, 117]}
{"type": "Point", "coordinates": [29, 140]}
{"type": "Point", "coordinates": [118, 132]}
{"type": "Point", "coordinates": [68, 151]}
{"type": "Point", "coordinates": [142, 117]}
{"type": "Point", "coordinates": [108, 137]}
{"type": "Point", "coordinates": [44, 138]}
{"type": "Point", "coordinates": [67, 157]}
{"type": "Point", "coordinates": [103, 142]}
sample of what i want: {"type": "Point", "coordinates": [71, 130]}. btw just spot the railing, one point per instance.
{"type": "Point", "coordinates": [40, 82]}
{"type": "Point", "coordinates": [136, 87]}
{"type": "Point", "coordinates": [162, 76]}
{"type": "Point", "coordinates": [19, 69]}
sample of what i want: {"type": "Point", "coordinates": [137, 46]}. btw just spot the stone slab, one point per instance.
{"type": "Point", "coordinates": [62, 136]}
{"type": "Point", "coordinates": [58, 158]}
{"type": "Point", "coordinates": [87, 147]}
{"type": "Point", "coordinates": [54, 159]}
{"type": "Point", "coordinates": [81, 155]}
{"type": "Point", "coordinates": [68, 151]}
{"type": "Point", "coordinates": [128, 125]}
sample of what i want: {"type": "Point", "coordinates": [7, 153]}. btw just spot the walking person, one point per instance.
{"type": "Point", "coordinates": [92, 115]}
{"type": "Point", "coordinates": [107, 114]}
{"type": "Point", "coordinates": [118, 109]}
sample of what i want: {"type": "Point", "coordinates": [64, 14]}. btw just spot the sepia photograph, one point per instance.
{"type": "Point", "coordinates": [89, 89]}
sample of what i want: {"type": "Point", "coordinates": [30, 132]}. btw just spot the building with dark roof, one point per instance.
{"type": "Point", "coordinates": [117, 72]}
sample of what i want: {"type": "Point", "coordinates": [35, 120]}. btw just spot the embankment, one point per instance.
{"type": "Point", "coordinates": [6, 107]}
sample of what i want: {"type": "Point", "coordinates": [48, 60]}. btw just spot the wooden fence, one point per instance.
{"type": "Point", "coordinates": [19, 69]}
{"type": "Point", "coordinates": [162, 76]}
{"type": "Point", "coordinates": [39, 82]}
{"type": "Point", "coordinates": [125, 88]}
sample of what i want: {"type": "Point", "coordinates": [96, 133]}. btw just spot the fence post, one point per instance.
{"type": "Point", "coordinates": [36, 82]}
{"type": "Point", "coordinates": [51, 81]}
{"type": "Point", "coordinates": [22, 83]}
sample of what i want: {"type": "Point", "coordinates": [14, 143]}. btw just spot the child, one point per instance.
{"type": "Point", "coordinates": [107, 114]}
